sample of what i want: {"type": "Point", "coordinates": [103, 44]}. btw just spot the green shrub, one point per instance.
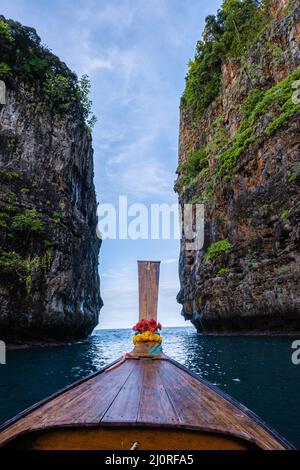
{"type": "Point", "coordinates": [195, 200]}
{"type": "Point", "coordinates": [264, 209]}
{"type": "Point", "coordinates": [5, 71]}
{"type": "Point", "coordinates": [11, 261]}
{"type": "Point", "coordinates": [8, 175]}
{"type": "Point", "coordinates": [203, 79]}
{"type": "Point", "coordinates": [34, 66]}
{"type": "Point", "coordinates": [208, 193]}
{"type": "Point", "coordinates": [239, 144]}
{"type": "Point", "coordinates": [196, 161]}
{"type": "Point", "coordinates": [28, 221]}
{"type": "Point", "coordinates": [279, 95]}
{"type": "Point", "coordinates": [196, 164]}
{"type": "Point", "coordinates": [219, 139]}
{"type": "Point", "coordinates": [9, 207]}
{"type": "Point", "coordinates": [56, 217]}
{"type": "Point", "coordinates": [46, 260]}
{"type": "Point", "coordinates": [251, 100]}
{"type": "Point", "coordinates": [223, 272]}
{"type": "Point", "coordinates": [3, 220]}
{"type": "Point", "coordinates": [228, 34]}
{"type": "Point", "coordinates": [277, 53]}
{"type": "Point", "coordinates": [216, 249]}
{"type": "Point", "coordinates": [86, 102]}
{"type": "Point", "coordinates": [23, 56]}
{"type": "Point", "coordinates": [294, 173]}
{"type": "Point", "coordinates": [60, 91]}
{"type": "Point", "coordinates": [284, 214]}
{"type": "Point", "coordinates": [288, 111]}
{"type": "Point", "coordinates": [5, 31]}
{"type": "Point", "coordinates": [47, 243]}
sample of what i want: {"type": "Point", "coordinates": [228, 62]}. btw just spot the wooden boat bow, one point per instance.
{"type": "Point", "coordinates": [144, 401]}
{"type": "Point", "coordinates": [134, 395]}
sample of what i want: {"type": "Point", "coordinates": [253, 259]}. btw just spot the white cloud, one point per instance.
{"type": "Point", "coordinates": [144, 179]}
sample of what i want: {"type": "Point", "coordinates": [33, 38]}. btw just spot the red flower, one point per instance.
{"type": "Point", "coordinates": [147, 325]}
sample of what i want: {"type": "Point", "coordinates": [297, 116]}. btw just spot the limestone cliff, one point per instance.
{"type": "Point", "coordinates": [49, 282]}
{"type": "Point", "coordinates": [239, 154]}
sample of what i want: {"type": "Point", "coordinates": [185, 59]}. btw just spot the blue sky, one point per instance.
{"type": "Point", "coordinates": [135, 53]}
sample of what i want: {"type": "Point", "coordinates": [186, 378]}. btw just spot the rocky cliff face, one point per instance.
{"type": "Point", "coordinates": [246, 147]}
{"type": "Point", "coordinates": [49, 283]}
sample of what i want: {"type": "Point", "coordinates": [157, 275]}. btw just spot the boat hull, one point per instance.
{"type": "Point", "coordinates": [126, 438]}
{"type": "Point", "coordinates": [141, 401]}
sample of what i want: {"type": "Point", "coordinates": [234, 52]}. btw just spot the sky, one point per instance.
{"type": "Point", "coordinates": [136, 54]}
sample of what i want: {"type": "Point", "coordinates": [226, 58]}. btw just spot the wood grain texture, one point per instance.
{"type": "Point", "coordinates": [120, 438]}
{"type": "Point", "coordinates": [148, 274]}
{"type": "Point", "coordinates": [146, 392]}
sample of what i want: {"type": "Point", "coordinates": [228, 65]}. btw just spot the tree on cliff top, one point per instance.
{"type": "Point", "coordinates": [23, 57]}
{"type": "Point", "coordinates": [227, 34]}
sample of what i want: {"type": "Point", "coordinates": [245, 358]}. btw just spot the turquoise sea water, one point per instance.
{"type": "Point", "coordinates": [257, 371]}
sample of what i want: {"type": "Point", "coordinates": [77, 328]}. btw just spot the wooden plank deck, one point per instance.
{"type": "Point", "coordinates": [141, 392]}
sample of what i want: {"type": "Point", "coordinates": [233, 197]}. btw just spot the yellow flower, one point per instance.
{"type": "Point", "coordinates": [147, 336]}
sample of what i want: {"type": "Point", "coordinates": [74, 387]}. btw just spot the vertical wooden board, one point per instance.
{"type": "Point", "coordinates": [148, 275]}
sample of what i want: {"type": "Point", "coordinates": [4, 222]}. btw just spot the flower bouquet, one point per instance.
{"type": "Point", "coordinates": [147, 331]}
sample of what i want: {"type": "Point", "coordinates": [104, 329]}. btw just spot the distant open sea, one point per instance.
{"type": "Point", "coordinates": [256, 370]}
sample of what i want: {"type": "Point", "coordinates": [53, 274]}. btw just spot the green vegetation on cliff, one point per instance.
{"type": "Point", "coordinates": [227, 35]}
{"type": "Point", "coordinates": [223, 272]}
{"type": "Point", "coordinates": [16, 228]}
{"type": "Point", "coordinates": [47, 196]}
{"type": "Point", "coordinates": [28, 221]}
{"type": "Point", "coordinates": [195, 163]}
{"type": "Point", "coordinates": [215, 250]}
{"type": "Point", "coordinates": [10, 261]}
{"type": "Point", "coordinates": [23, 57]}
{"type": "Point", "coordinates": [13, 264]}
{"type": "Point", "coordinates": [28, 67]}
{"type": "Point", "coordinates": [277, 102]}
{"type": "Point", "coordinates": [294, 174]}
{"type": "Point", "coordinates": [249, 135]}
